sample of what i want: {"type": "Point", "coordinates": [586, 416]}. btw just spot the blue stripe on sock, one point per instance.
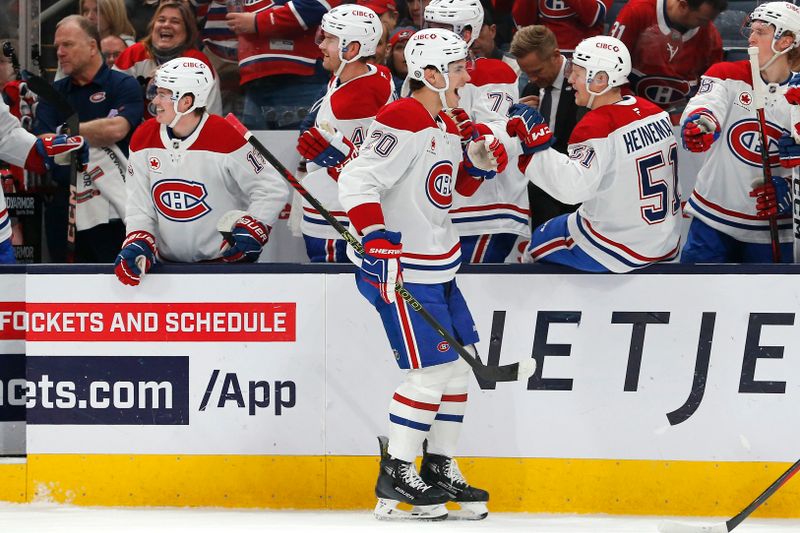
{"type": "Point", "coordinates": [394, 419]}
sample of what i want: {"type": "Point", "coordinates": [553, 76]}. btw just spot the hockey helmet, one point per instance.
{"type": "Point", "coordinates": [604, 54]}
{"type": "Point", "coordinates": [784, 16]}
{"type": "Point", "coordinates": [433, 47]}
{"type": "Point", "coordinates": [182, 76]}
{"type": "Point", "coordinates": [353, 23]}
{"type": "Point", "coordinates": [459, 14]}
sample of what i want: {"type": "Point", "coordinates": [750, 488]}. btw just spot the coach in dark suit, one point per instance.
{"type": "Point", "coordinates": [537, 54]}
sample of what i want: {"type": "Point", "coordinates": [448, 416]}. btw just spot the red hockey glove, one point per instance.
{"type": "Point", "coordinates": [55, 149]}
{"type": "Point", "coordinates": [137, 256]}
{"type": "Point", "coordinates": [465, 127]}
{"type": "Point", "coordinates": [773, 198]}
{"type": "Point", "coordinates": [528, 124]}
{"type": "Point", "coordinates": [380, 265]}
{"type": "Point", "coordinates": [485, 157]}
{"type": "Point", "coordinates": [700, 130]}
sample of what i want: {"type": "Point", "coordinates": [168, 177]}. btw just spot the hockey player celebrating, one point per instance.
{"type": "Point", "coordinates": [397, 194]}
{"type": "Point", "coordinates": [728, 226]}
{"type": "Point", "coordinates": [19, 147]}
{"type": "Point", "coordinates": [357, 90]}
{"type": "Point", "coordinates": [621, 168]}
{"type": "Point", "coordinates": [490, 221]}
{"type": "Point", "coordinates": [187, 171]}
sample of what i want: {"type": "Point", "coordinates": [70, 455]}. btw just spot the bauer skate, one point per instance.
{"type": "Point", "coordinates": [442, 472]}
{"type": "Point", "coordinates": [399, 482]}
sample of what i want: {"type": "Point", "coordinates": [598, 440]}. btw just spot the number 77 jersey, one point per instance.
{"type": "Point", "coordinates": [622, 168]}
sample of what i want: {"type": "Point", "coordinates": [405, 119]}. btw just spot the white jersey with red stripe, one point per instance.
{"type": "Point", "coordinates": [721, 196]}
{"type": "Point", "coordinates": [350, 107]}
{"type": "Point", "coordinates": [179, 189]}
{"type": "Point", "coordinates": [15, 144]}
{"type": "Point", "coordinates": [501, 204]}
{"type": "Point", "coordinates": [622, 166]}
{"type": "Point", "coordinates": [405, 175]}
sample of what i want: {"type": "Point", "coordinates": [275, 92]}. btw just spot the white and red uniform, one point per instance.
{"type": "Point", "coordinates": [16, 147]}
{"type": "Point", "coordinates": [501, 204]}
{"type": "Point", "coordinates": [721, 195]}
{"type": "Point", "coordinates": [405, 181]}
{"type": "Point", "coordinates": [667, 64]}
{"type": "Point", "coordinates": [136, 61]}
{"type": "Point", "coordinates": [622, 168]}
{"type": "Point", "coordinates": [178, 189]}
{"type": "Point", "coordinates": [350, 107]}
{"type": "Point", "coordinates": [571, 20]}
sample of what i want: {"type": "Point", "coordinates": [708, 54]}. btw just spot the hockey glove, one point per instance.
{"type": "Point", "coordinates": [55, 150]}
{"type": "Point", "coordinates": [699, 130]}
{"type": "Point", "coordinates": [789, 151]}
{"type": "Point", "coordinates": [137, 256]}
{"type": "Point", "coordinates": [529, 125]}
{"type": "Point", "coordinates": [380, 265]}
{"type": "Point", "coordinates": [247, 238]}
{"type": "Point", "coordinates": [485, 157]}
{"type": "Point", "coordinates": [465, 127]}
{"type": "Point", "coordinates": [773, 198]}
{"type": "Point", "coordinates": [793, 93]}
{"type": "Point", "coordinates": [325, 146]}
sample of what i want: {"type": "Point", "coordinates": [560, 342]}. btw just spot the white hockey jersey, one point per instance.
{"type": "Point", "coordinates": [404, 176]}
{"type": "Point", "coordinates": [15, 145]}
{"type": "Point", "coordinates": [101, 188]}
{"type": "Point", "coordinates": [349, 107]}
{"type": "Point", "coordinates": [622, 166]}
{"type": "Point", "coordinates": [179, 189]}
{"type": "Point", "coordinates": [721, 196]}
{"type": "Point", "coordinates": [501, 204]}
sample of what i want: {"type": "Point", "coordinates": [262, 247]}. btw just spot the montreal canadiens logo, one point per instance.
{"type": "Point", "coordinates": [745, 142]}
{"type": "Point", "coordinates": [555, 9]}
{"type": "Point", "coordinates": [439, 185]}
{"type": "Point", "coordinates": [443, 346]}
{"type": "Point", "coordinates": [663, 91]}
{"type": "Point", "coordinates": [180, 200]}
{"type": "Point", "coordinates": [97, 97]}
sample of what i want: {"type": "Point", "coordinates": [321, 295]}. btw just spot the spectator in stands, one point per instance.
{"type": "Point", "coordinates": [109, 105]}
{"type": "Point", "coordinates": [396, 60]}
{"type": "Point", "coordinates": [110, 17]}
{"type": "Point", "coordinates": [386, 10]}
{"type": "Point", "coordinates": [112, 46]}
{"type": "Point", "coordinates": [416, 9]}
{"type": "Point", "coordinates": [571, 20]}
{"type": "Point", "coordinates": [280, 64]}
{"type": "Point", "coordinates": [548, 90]}
{"type": "Point", "coordinates": [486, 46]}
{"type": "Point", "coordinates": [672, 43]}
{"type": "Point", "coordinates": [141, 13]}
{"type": "Point", "coordinates": [172, 33]}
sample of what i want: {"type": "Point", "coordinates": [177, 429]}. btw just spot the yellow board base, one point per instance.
{"type": "Point", "coordinates": [315, 482]}
{"type": "Point", "coordinates": [12, 482]}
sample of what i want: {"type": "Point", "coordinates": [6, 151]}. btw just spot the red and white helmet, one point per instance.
{"type": "Point", "coordinates": [433, 47]}
{"type": "Point", "coordinates": [604, 54]}
{"type": "Point", "coordinates": [459, 14]}
{"type": "Point", "coordinates": [182, 76]}
{"type": "Point", "coordinates": [353, 23]}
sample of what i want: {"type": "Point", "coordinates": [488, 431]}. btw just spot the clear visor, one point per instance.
{"type": "Point", "coordinates": [757, 27]}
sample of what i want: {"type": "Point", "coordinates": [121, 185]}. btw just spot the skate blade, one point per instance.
{"type": "Point", "coordinates": [387, 509]}
{"type": "Point", "coordinates": [469, 511]}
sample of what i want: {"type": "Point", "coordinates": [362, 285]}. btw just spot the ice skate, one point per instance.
{"type": "Point", "coordinates": [442, 472]}
{"type": "Point", "coordinates": [399, 482]}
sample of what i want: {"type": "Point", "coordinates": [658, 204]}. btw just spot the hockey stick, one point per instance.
{"type": "Point", "coordinates": [512, 372]}
{"type": "Point", "coordinates": [759, 101]}
{"type": "Point", "coordinates": [675, 527]}
{"type": "Point", "coordinates": [47, 92]}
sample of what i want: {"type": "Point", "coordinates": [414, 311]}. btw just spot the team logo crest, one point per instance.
{"type": "Point", "coordinates": [97, 97]}
{"type": "Point", "coordinates": [745, 143]}
{"type": "Point", "coordinates": [555, 9]}
{"type": "Point", "coordinates": [439, 185]}
{"type": "Point", "coordinates": [155, 163]}
{"type": "Point", "coordinates": [663, 91]}
{"type": "Point", "coordinates": [443, 346]}
{"type": "Point", "coordinates": [180, 200]}
{"type": "Point", "coordinates": [745, 99]}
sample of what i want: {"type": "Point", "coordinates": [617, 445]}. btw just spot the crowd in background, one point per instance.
{"type": "Point", "coordinates": [268, 69]}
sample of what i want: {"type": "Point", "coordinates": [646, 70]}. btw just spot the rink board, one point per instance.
{"type": "Point", "coordinates": [657, 393]}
